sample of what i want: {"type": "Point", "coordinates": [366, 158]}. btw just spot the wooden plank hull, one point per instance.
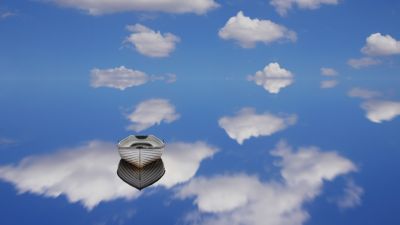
{"type": "Point", "coordinates": [141, 177]}
{"type": "Point", "coordinates": [141, 157]}
{"type": "Point", "coordinates": [141, 150]}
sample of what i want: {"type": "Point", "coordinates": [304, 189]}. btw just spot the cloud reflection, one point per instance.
{"type": "Point", "coordinates": [140, 178]}
{"type": "Point", "coordinates": [6, 142]}
{"type": "Point", "coordinates": [247, 123]}
{"type": "Point", "coordinates": [151, 43]}
{"type": "Point", "coordinates": [273, 78]}
{"type": "Point", "coordinates": [122, 78]}
{"type": "Point", "coordinates": [245, 199]}
{"type": "Point", "coordinates": [362, 93]}
{"type": "Point", "coordinates": [351, 197]}
{"type": "Point", "coordinates": [152, 112]}
{"type": "Point", "coordinates": [87, 173]}
{"type": "Point", "coordinates": [377, 110]}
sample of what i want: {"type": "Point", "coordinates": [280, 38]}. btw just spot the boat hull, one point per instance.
{"type": "Point", "coordinates": [141, 157]}
{"type": "Point", "coordinates": [141, 150]}
{"type": "Point", "coordinates": [141, 177]}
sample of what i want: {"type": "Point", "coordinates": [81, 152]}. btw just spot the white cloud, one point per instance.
{"type": "Point", "coordinates": [363, 62]}
{"type": "Point", "coordinates": [329, 83]}
{"type": "Point", "coordinates": [247, 32]}
{"type": "Point", "coordinates": [378, 44]}
{"type": "Point", "coordinates": [168, 78]}
{"type": "Point", "coordinates": [221, 193]}
{"type": "Point", "coordinates": [182, 160]}
{"type": "Point", "coordinates": [171, 78]}
{"type": "Point", "coordinates": [357, 92]}
{"type": "Point", "coordinates": [244, 199]}
{"type": "Point", "coordinates": [122, 78]}
{"type": "Point", "coordinates": [328, 71]}
{"type": "Point", "coordinates": [309, 165]}
{"type": "Point", "coordinates": [283, 6]}
{"type": "Point", "coordinates": [6, 142]}
{"type": "Point", "coordinates": [273, 78]}
{"type": "Point", "coordinates": [99, 7]}
{"type": "Point", "coordinates": [119, 77]}
{"type": "Point", "coordinates": [151, 43]}
{"type": "Point", "coordinates": [152, 112]}
{"type": "Point", "coordinates": [87, 173]}
{"type": "Point", "coordinates": [247, 123]}
{"type": "Point", "coordinates": [83, 174]}
{"type": "Point", "coordinates": [351, 197]}
{"type": "Point", "coordinates": [7, 14]}
{"type": "Point", "coordinates": [378, 111]}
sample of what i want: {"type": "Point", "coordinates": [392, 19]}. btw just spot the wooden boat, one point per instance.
{"type": "Point", "coordinates": [141, 177]}
{"type": "Point", "coordinates": [141, 150]}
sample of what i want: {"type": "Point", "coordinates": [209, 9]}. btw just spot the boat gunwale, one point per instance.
{"type": "Point", "coordinates": [156, 139]}
{"type": "Point", "coordinates": [149, 148]}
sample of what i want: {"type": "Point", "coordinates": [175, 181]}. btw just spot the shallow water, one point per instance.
{"type": "Point", "coordinates": [241, 148]}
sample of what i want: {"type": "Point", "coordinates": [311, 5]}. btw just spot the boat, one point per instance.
{"type": "Point", "coordinates": [141, 150]}
{"type": "Point", "coordinates": [141, 177]}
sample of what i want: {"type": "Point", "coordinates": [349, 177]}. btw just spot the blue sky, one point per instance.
{"type": "Point", "coordinates": [274, 112]}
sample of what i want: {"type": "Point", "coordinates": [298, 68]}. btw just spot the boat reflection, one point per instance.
{"type": "Point", "coordinates": [140, 177]}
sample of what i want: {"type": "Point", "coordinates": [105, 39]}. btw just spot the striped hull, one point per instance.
{"type": "Point", "coordinates": [140, 157]}
{"type": "Point", "coordinates": [141, 177]}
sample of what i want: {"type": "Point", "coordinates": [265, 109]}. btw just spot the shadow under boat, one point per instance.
{"type": "Point", "coordinates": [141, 177]}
